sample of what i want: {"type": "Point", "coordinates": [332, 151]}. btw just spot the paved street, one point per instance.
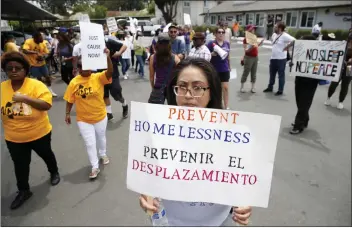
{"type": "Point", "coordinates": [311, 183]}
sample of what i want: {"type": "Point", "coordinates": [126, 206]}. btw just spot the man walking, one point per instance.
{"type": "Point", "coordinates": [200, 50]}
{"type": "Point", "coordinates": [177, 46]}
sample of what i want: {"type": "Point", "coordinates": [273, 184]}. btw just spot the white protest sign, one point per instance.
{"type": "Point", "coordinates": [233, 74]}
{"type": "Point", "coordinates": [187, 19]}
{"type": "Point", "coordinates": [93, 45]}
{"type": "Point", "coordinates": [166, 28]}
{"type": "Point", "coordinates": [84, 18]}
{"type": "Point", "coordinates": [318, 59]}
{"type": "Point", "coordinates": [112, 25]}
{"type": "Point", "coordinates": [201, 155]}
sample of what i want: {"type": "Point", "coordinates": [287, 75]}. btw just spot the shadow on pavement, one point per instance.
{"type": "Point", "coordinates": [115, 125]}
{"type": "Point", "coordinates": [272, 96]}
{"type": "Point", "coordinates": [338, 112]}
{"type": "Point", "coordinates": [308, 137]}
{"type": "Point", "coordinates": [37, 202]}
{"type": "Point", "coordinates": [245, 96]}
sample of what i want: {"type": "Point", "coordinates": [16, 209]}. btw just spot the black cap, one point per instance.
{"type": "Point", "coordinates": [163, 37]}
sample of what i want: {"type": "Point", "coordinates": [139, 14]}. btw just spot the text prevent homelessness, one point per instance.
{"type": "Point", "coordinates": [196, 133]}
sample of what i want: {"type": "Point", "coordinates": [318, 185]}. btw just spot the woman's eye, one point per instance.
{"type": "Point", "coordinates": [197, 88]}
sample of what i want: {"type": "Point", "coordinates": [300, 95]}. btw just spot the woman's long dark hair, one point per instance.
{"type": "Point", "coordinates": [209, 72]}
{"type": "Point", "coordinates": [64, 41]}
{"type": "Point", "coordinates": [163, 53]}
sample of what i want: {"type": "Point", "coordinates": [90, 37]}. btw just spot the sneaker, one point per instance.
{"type": "Point", "coordinates": [52, 92]}
{"type": "Point", "coordinates": [94, 173]}
{"type": "Point", "coordinates": [125, 77]}
{"type": "Point", "coordinates": [105, 160]}
{"type": "Point", "coordinates": [278, 93]}
{"type": "Point", "coordinates": [268, 90]}
{"type": "Point", "coordinates": [242, 90]}
{"type": "Point", "coordinates": [340, 105]}
{"type": "Point", "coordinates": [125, 111]}
{"type": "Point", "coordinates": [253, 90]}
{"type": "Point", "coordinates": [110, 116]}
{"type": "Point", "coordinates": [327, 102]}
{"type": "Point", "coordinates": [55, 179]}
{"type": "Point", "coordinates": [22, 196]}
{"type": "Point", "coordinates": [296, 131]}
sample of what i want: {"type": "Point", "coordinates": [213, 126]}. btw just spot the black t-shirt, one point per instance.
{"type": "Point", "coordinates": [113, 47]}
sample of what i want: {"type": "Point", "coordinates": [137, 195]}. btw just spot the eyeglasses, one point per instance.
{"type": "Point", "coordinates": [196, 91]}
{"type": "Point", "coordinates": [11, 68]}
{"type": "Point", "coordinates": [172, 32]}
{"type": "Point", "coordinates": [221, 32]}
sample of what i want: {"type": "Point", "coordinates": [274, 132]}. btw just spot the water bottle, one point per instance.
{"type": "Point", "coordinates": [160, 219]}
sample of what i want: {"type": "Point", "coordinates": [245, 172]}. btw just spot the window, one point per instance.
{"type": "Point", "coordinates": [141, 23]}
{"type": "Point", "coordinates": [186, 4]}
{"type": "Point", "coordinates": [307, 19]}
{"type": "Point", "coordinates": [291, 19]}
{"type": "Point", "coordinates": [205, 3]}
{"type": "Point", "coordinates": [259, 19]}
{"type": "Point", "coordinates": [213, 20]}
{"type": "Point", "coordinates": [239, 19]}
{"type": "Point", "coordinates": [249, 18]}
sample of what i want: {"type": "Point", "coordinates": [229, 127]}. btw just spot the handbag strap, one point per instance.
{"type": "Point", "coordinates": [278, 37]}
{"type": "Point", "coordinates": [168, 70]}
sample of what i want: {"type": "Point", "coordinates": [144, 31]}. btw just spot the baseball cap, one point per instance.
{"type": "Point", "coordinates": [250, 27]}
{"type": "Point", "coordinates": [173, 26]}
{"type": "Point", "coordinates": [163, 37]}
{"type": "Point", "coordinates": [199, 35]}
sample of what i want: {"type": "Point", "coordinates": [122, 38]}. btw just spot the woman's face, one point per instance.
{"type": "Point", "coordinates": [193, 79]}
{"type": "Point", "coordinates": [15, 71]}
{"type": "Point", "coordinates": [85, 73]}
{"type": "Point", "coordinates": [220, 34]}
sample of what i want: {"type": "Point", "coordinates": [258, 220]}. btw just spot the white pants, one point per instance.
{"type": "Point", "coordinates": [92, 133]}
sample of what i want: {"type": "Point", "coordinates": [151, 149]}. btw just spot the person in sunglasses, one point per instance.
{"type": "Point", "coordinates": [222, 66]}
{"type": "Point", "coordinates": [24, 112]}
{"type": "Point", "coordinates": [177, 46]}
{"type": "Point", "coordinates": [199, 50]}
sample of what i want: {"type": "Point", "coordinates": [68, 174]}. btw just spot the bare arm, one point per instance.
{"type": "Point", "coordinates": [151, 71]}
{"type": "Point", "coordinates": [34, 102]}
{"type": "Point", "coordinates": [29, 52]}
{"type": "Point", "coordinates": [68, 108]}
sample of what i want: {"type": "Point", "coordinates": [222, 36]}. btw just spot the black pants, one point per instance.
{"type": "Point", "coordinates": [66, 73]}
{"type": "Point", "coordinates": [305, 90]}
{"type": "Point", "coordinates": [21, 157]}
{"type": "Point", "coordinates": [345, 83]}
{"type": "Point", "coordinates": [132, 57]}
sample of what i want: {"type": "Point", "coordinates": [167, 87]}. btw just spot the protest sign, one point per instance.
{"type": "Point", "coordinates": [187, 19]}
{"type": "Point", "coordinates": [201, 155]}
{"type": "Point", "coordinates": [318, 59]}
{"type": "Point", "coordinates": [112, 25]}
{"type": "Point", "coordinates": [251, 38]}
{"type": "Point", "coordinates": [92, 47]}
{"type": "Point", "coordinates": [233, 73]}
{"type": "Point", "coordinates": [84, 18]}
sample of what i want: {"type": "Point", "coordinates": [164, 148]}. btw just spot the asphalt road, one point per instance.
{"type": "Point", "coordinates": [311, 183]}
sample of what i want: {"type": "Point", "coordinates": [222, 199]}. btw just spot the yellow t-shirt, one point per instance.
{"type": "Point", "coordinates": [21, 122]}
{"type": "Point", "coordinates": [192, 34]}
{"type": "Point", "coordinates": [9, 46]}
{"type": "Point", "coordinates": [88, 95]}
{"type": "Point", "coordinates": [33, 46]}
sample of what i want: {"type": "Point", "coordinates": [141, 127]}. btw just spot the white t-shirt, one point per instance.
{"type": "Point", "coordinates": [127, 53]}
{"type": "Point", "coordinates": [316, 29]}
{"type": "Point", "coordinates": [195, 213]}
{"type": "Point", "coordinates": [77, 50]}
{"type": "Point", "coordinates": [228, 34]}
{"type": "Point", "coordinates": [280, 44]}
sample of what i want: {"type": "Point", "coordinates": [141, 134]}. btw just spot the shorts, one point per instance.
{"type": "Point", "coordinates": [39, 72]}
{"type": "Point", "coordinates": [115, 90]}
{"type": "Point", "coordinates": [224, 76]}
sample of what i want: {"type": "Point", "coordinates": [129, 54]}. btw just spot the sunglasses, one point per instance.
{"type": "Point", "coordinates": [221, 32]}
{"type": "Point", "coordinates": [172, 32]}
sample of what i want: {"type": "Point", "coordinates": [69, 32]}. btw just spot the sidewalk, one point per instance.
{"type": "Point", "coordinates": [266, 44]}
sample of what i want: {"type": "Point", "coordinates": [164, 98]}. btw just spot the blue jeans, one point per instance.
{"type": "Point", "coordinates": [277, 66]}
{"type": "Point", "coordinates": [140, 61]}
{"type": "Point", "coordinates": [125, 65]}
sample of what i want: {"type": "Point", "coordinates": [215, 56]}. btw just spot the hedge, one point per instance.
{"type": "Point", "coordinates": [339, 34]}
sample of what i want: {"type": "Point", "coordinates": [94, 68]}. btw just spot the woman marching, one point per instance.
{"type": "Point", "coordinates": [64, 52]}
{"type": "Point", "coordinates": [222, 66]}
{"type": "Point", "coordinates": [86, 90]}
{"type": "Point", "coordinates": [138, 51]}
{"type": "Point", "coordinates": [24, 106]}
{"type": "Point", "coordinates": [195, 83]}
{"type": "Point", "coordinates": [161, 66]}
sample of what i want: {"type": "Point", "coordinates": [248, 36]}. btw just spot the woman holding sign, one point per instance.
{"type": "Point", "coordinates": [195, 83]}
{"type": "Point", "coordinates": [86, 90]}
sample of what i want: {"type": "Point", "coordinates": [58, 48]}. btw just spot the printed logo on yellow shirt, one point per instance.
{"type": "Point", "coordinates": [84, 91]}
{"type": "Point", "coordinates": [12, 109]}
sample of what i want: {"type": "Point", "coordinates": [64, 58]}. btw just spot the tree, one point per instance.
{"type": "Point", "coordinates": [58, 6]}
{"type": "Point", "coordinates": [98, 12]}
{"type": "Point", "coordinates": [151, 8]}
{"type": "Point", "coordinates": [123, 5]}
{"type": "Point", "coordinates": [168, 9]}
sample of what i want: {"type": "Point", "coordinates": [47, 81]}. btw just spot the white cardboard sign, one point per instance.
{"type": "Point", "coordinates": [201, 155]}
{"type": "Point", "coordinates": [93, 45]}
{"type": "Point", "coordinates": [187, 19]}
{"type": "Point", "coordinates": [84, 18]}
{"type": "Point", "coordinates": [112, 24]}
{"type": "Point", "coordinates": [318, 59]}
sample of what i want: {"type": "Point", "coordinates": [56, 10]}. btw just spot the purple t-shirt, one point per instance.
{"type": "Point", "coordinates": [187, 38]}
{"type": "Point", "coordinates": [219, 64]}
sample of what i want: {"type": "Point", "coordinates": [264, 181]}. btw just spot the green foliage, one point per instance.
{"type": "Point", "coordinates": [203, 28]}
{"type": "Point", "coordinates": [339, 34]}
{"type": "Point", "coordinates": [15, 25]}
{"type": "Point", "coordinates": [81, 8]}
{"type": "Point", "coordinates": [126, 5]}
{"type": "Point", "coordinates": [98, 12]}
{"type": "Point", "coordinates": [151, 8]}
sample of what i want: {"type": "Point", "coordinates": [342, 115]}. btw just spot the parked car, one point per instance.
{"type": "Point", "coordinates": [143, 25]}
{"type": "Point", "coordinates": [19, 37]}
